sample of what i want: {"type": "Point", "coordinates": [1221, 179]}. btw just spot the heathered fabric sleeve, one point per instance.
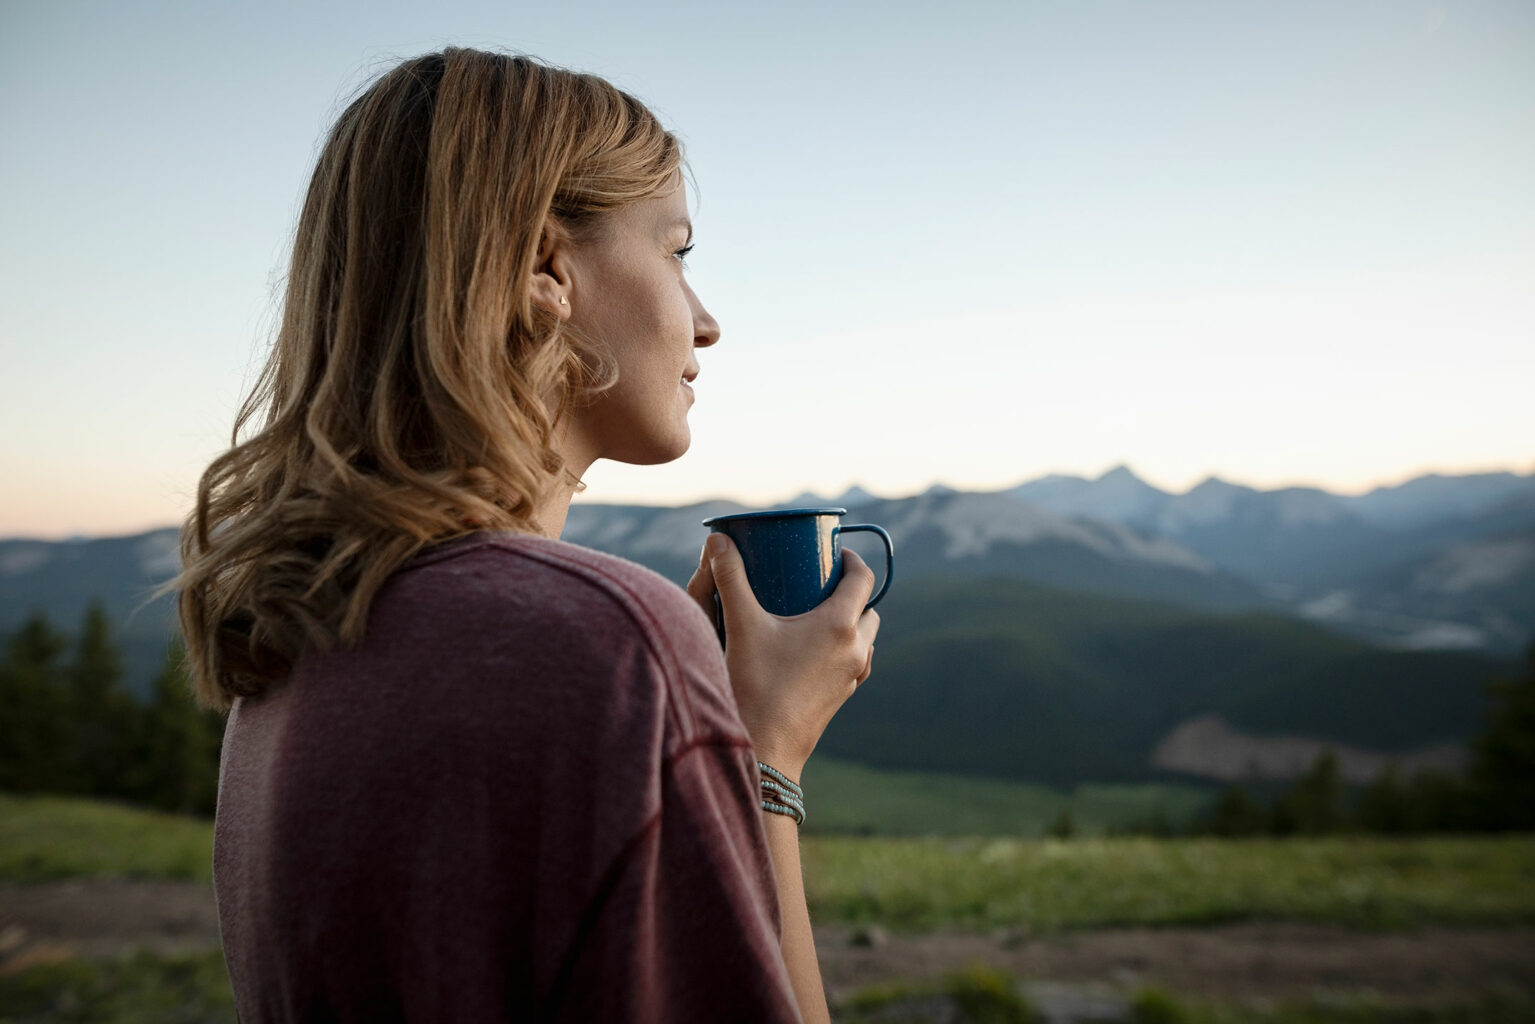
{"type": "Point", "coordinates": [683, 929]}
{"type": "Point", "coordinates": [528, 795]}
{"type": "Point", "coordinates": [685, 924]}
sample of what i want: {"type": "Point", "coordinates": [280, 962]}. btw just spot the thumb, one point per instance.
{"type": "Point", "coordinates": [701, 586]}
{"type": "Point", "coordinates": [729, 575]}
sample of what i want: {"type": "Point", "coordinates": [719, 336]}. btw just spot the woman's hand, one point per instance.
{"type": "Point", "coordinates": [790, 675]}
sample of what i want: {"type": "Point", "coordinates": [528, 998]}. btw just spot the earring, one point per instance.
{"type": "Point", "coordinates": [562, 301]}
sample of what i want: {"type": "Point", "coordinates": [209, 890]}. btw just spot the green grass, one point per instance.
{"type": "Point", "coordinates": [1047, 885]}
{"type": "Point", "coordinates": [133, 989]}
{"type": "Point", "coordinates": [45, 838]}
{"type": "Point", "coordinates": [980, 995]}
{"type": "Point", "coordinates": [1153, 1006]}
{"type": "Point", "coordinates": [976, 882]}
{"type": "Point", "coordinates": [847, 798]}
{"type": "Point", "coordinates": [911, 884]}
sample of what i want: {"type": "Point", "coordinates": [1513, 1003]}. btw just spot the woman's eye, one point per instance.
{"type": "Point", "coordinates": [682, 255]}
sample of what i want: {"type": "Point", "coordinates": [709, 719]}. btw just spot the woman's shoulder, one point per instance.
{"type": "Point", "coordinates": [555, 581]}
{"type": "Point", "coordinates": [568, 569]}
{"type": "Point", "coordinates": [574, 611]}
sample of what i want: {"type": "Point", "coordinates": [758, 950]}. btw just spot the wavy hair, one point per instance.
{"type": "Point", "coordinates": [413, 389]}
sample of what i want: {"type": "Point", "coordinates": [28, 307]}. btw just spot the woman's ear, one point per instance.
{"type": "Point", "coordinates": [551, 279]}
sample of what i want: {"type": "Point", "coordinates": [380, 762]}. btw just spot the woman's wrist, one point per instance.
{"type": "Point", "coordinates": [792, 767]}
{"type": "Point", "coordinates": [781, 794]}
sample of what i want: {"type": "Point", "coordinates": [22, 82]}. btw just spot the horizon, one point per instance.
{"type": "Point", "coordinates": [1171, 490]}
{"type": "Point", "coordinates": [837, 494]}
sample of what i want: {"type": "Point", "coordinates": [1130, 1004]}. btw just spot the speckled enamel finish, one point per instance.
{"type": "Point", "coordinates": [793, 556]}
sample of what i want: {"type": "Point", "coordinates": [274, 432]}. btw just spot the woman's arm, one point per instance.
{"type": "Point", "coordinates": [798, 942]}
{"type": "Point", "coordinates": [790, 676]}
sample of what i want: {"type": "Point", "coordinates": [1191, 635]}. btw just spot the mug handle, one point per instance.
{"type": "Point", "coordinates": [889, 556]}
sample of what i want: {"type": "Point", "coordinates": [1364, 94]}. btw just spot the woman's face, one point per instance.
{"type": "Point", "coordinates": [627, 291]}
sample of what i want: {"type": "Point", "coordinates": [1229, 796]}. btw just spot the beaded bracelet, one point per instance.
{"type": "Point", "coordinates": [775, 774]}
{"type": "Point", "coordinates": [770, 797]}
{"type": "Point", "coordinates": [797, 813]}
{"type": "Point", "coordinates": [780, 795]}
{"type": "Point", "coordinates": [790, 797]}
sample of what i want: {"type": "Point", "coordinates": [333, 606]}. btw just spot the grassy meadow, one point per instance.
{"type": "Point", "coordinates": [970, 882]}
{"type": "Point", "coordinates": [980, 881]}
{"type": "Point", "coordinates": [1049, 885]}
{"type": "Point", "coordinates": [849, 799]}
{"type": "Point", "coordinates": [46, 838]}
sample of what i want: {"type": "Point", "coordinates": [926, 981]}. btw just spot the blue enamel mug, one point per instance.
{"type": "Point", "coordinates": [793, 556]}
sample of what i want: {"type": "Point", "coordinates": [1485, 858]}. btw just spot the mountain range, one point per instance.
{"type": "Point", "coordinates": [1436, 563]}
{"type": "Point", "coordinates": [1072, 629]}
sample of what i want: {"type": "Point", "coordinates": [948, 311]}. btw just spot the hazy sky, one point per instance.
{"type": "Point", "coordinates": [975, 243]}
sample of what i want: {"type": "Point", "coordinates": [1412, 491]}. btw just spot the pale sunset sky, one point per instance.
{"type": "Point", "coordinates": [971, 243]}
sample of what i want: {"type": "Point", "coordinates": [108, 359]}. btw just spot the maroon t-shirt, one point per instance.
{"type": "Point", "coordinates": [528, 795]}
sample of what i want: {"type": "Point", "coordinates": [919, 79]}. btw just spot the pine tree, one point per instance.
{"type": "Point", "coordinates": [1383, 806]}
{"type": "Point", "coordinates": [1315, 804]}
{"type": "Point", "coordinates": [1237, 814]}
{"type": "Point", "coordinates": [1503, 756]}
{"type": "Point", "coordinates": [1440, 802]}
{"type": "Point", "coordinates": [180, 750]}
{"type": "Point", "coordinates": [104, 719]}
{"type": "Point", "coordinates": [34, 754]}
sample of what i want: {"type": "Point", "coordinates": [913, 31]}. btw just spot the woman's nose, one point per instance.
{"type": "Point", "coordinates": [706, 330]}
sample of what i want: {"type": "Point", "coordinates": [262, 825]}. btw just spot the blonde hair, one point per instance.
{"type": "Point", "coordinates": [413, 388]}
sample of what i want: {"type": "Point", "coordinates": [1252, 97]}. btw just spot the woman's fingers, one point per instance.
{"type": "Point", "coordinates": [868, 629]}
{"type": "Point", "coordinates": [857, 582]}
{"type": "Point", "coordinates": [722, 570]}
{"type": "Point", "coordinates": [790, 674]}
{"type": "Point", "coordinates": [701, 586]}
{"type": "Point", "coordinates": [729, 575]}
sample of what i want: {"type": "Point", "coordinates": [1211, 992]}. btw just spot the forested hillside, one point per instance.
{"type": "Point", "coordinates": [1010, 680]}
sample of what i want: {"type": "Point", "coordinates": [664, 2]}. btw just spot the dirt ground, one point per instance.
{"type": "Point", "coordinates": [1243, 962]}
{"type": "Point", "coordinates": [39, 923]}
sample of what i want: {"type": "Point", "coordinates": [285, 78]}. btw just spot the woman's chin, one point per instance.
{"type": "Point", "coordinates": [656, 451]}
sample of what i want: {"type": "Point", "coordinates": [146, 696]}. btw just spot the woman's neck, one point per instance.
{"type": "Point", "coordinates": [551, 512]}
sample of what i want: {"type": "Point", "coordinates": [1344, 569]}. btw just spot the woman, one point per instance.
{"type": "Point", "coordinates": [471, 772]}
